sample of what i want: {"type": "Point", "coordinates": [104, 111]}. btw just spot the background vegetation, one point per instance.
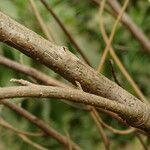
{"type": "Point", "coordinates": [82, 20]}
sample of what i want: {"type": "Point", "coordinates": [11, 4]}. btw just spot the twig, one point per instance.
{"type": "Point", "coordinates": [98, 124]}
{"type": "Point", "coordinates": [113, 73]}
{"type": "Point", "coordinates": [39, 123]}
{"type": "Point", "coordinates": [47, 6]}
{"type": "Point", "coordinates": [118, 62]}
{"type": "Point", "coordinates": [68, 138]}
{"type": "Point", "coordinates": [111, 35]}
{"type": "Point", "coordinates": [116, 131]}
{"type": "Point", "coordinates": [40, 20]}
{"type": "Point", "coordinates": [27, 140]}
{"type": "Point", "coordinates": [23, 134]}
{"type": "Point", "coordinates": [131, 26]}
{"type": "Point", "coordinates": [5, 124]}
{"type": "Point", "coordinates": [22, 82]}
{"type": "Point", "coordinates": [32, 72]}
{"type": "Point", "coordinates": [142, 142]}
{"type": "Point", "coordinates": [101, 130]}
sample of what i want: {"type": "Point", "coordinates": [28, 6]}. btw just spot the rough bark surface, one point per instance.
{"type": "Point", "coordinates": [61, 60]}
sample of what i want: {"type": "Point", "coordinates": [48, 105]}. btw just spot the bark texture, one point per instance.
{"type": "Point", "coordinates": [61, 60]}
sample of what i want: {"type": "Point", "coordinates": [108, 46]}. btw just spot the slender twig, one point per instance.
{"type": "Point", "coordinates": [39, 123]}
{"type": "Point", "coordinates": [131, 26]}
{"type": "Point", "coordinates": [103, 58]}
{"type": "Point", "coordinates": [98, 124]}
{"type": "Point", "coordinates": [32, 72]}
{"type": "Point", "coordinates": [47, 6]}
{"type": "Point", "coordinates": [116, 131]}
{"type": "Point", "coordinates": [113, 72]}
{"type": "Point", "coordinates": [118, 62]}
{"type": "Point", "coordinates": [23, 134]}
{"type": "Point", "coordinates": [68, 138]}
{"type": "Point", "coordinates": [41, 21]}
{"type": "Point", "coordinates": [142, 142]}
{"type": "Point", "coordinates": [27, 140]}
{"type": "Point", "coordinates": [7, 125]}
{"type": "Point", "coordinates": [101, 130]}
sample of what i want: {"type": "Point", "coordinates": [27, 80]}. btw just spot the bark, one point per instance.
{"type": "Point", "coordinates": [61, 60]}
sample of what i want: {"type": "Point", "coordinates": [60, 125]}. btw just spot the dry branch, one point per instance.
{"type": "Point", "coordinates": [60, 60]}
{"type": "Point", "coordinates": [70, 67]}
{"type": "Point", "coordinates": [136, 115]}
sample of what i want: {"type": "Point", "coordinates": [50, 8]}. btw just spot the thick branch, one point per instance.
{"type": "Point", "coordinates": [136, 115]}
{"type": "Point", "coordinates": [60, 60]}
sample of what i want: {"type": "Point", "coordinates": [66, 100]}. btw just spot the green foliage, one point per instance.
{"type": "Point", "coordinates": [81, 19]}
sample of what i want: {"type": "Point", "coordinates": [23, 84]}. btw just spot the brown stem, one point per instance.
{"type": "Point", "coordinates": [118, 62]}
{"type": "Point", "coordinates": [40, 21]}
{"type": "Point", "coordinates": [32, 72]}
{"type": "Point", "coordinates": [108, 44]}
{"type": "Point", "coordinates": [131, 26]}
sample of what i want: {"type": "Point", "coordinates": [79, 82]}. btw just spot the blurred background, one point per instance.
{"type": "Point", "coordinates": [81, 18]}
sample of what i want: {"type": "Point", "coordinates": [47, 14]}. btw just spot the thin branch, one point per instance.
{"type": "Point", "coordinates": [40, 20]}
{"type": "Point", "coordinates": [98, 124]}
{"type": "Point", "coordinates": [101, 130]}
{"type": "Point", "coordinates": [128, 23]}
{"type": "Point", "coordinates": [23, 134]}
{"type": "Point", "coordinates": [136, 115]}
{"type": "Point", "coordinates": [39, 123]}
{"type": "Point", "coordinates": [131, 26]}
{"type": "Point", "coordinates": [142, 142]}
{"type": "Point", "coordinates": [27, 140]}
{"type": "Point", "coordinates": [32, 72]}
{"type": "Point", "coordinates": [103, 58]}
{"type": "Point", "coordinates": [116, 131]}
{"type": "Point", "coordinates": [114, 73]}
{"type": "Point", "coordinates": [7, 125]}
{"type": "Point", "coordinates": [118, 62]}
{"type": "Point", "coordinates": [47, 6]}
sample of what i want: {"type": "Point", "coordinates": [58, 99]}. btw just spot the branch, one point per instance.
{"type": "Point", "coordinates": [136, 115]}
{"type": "Point", "coordinates": [131, 26]}
{"type": "Point", "coordinates": [60, 60]}
{"type": "Point", "coordinates": [118, 62]}
{"type": "Point", "coordinates": [40, 123]}
{"type": "Point", "coordinates": [40, 21]}
{"type": "Point", "coordinates": [108, 44]}
{"type": "Point", "coordinates": [27, 140]}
